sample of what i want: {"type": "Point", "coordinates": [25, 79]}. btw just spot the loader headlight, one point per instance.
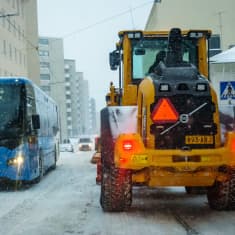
{"type": "Point", "coordinates": [164, 87]}
{"type": "Point", "coordinates": [136, 35]}
{"type": "Point", "coordinates": [201, 87]}
{"type": "Point", "coordinates": [16, 161]}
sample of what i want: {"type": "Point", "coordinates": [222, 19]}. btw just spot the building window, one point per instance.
{"type": "Point", "coordinates": [43, 41]}
{"type": "Point", "coordinates": [14, 28]}
{"type": "Point", "coordinates": [15, 55]}
{"type": "Point", "coordinates": [13, 4]}
{"type": "Point", "coordinates": [22, 10]}
{"type": "Point", "coordinates": [4, 47]}
{"type": "Point", "coordinates": [68, 97]}
{"type": "Point", "coordinates": [45, 76]}
{"type": "Point", "coordinates": [9, 24]}
{"type": "Point", "coordinates": [19, 32]}
{"type": "Point", "coordinates": [20, 57]}
{"type": "Point", "coordinates": [215, 45]}
{"type": "Point", "coordinates": [46, 88]}
{"type": "Point", "coordinates": [44, 64]}
{"type": "Point", "coordinates": [3, 18]}
{"type": "Point", "coordinates": [25, 61]}
{"type": "Point", "coordinates": [10, 51]}
{"type": "Point", "coordinates": [43, 53]}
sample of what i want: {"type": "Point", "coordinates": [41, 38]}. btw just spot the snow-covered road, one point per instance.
{"type": "Point", "coordinates": [66, 202]}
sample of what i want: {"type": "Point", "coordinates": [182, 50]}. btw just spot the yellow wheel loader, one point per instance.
{"type": "Point", "coordinates": [161, 126]}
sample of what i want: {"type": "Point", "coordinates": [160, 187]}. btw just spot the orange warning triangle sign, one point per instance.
{"type": "Point", "coordinates": [164, 111]}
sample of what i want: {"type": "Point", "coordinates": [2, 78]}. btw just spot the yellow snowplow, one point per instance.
{"type": "Point", "coordinates": [161, 126]}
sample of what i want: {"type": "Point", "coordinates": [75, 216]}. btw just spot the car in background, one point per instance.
{"type": "Point", "coordinates": [85, 144]}
{"type": "Point", "coordinates": [66, 147]}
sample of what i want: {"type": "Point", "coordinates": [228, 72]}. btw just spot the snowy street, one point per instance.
{"type": "Point", "coordinates": [66, 202]}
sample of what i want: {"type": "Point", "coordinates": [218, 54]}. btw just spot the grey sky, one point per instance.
{"type": "Point", "coordinates": [89, 30]}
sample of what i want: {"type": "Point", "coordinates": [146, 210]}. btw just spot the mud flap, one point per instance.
{"type": "Point", "coordinates": [115, 120]}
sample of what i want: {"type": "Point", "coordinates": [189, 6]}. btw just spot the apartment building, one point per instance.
{"type": "Point", "coordinates": [72, 98]}
{"type": "Point", "coordinates": [19, 39]}
{"type": "Point", "coordinates": [93, 115]}
{"type": "Point", "coordinates": [81, 108]}
{"type": "Point", "coordinates": [51, 53]}
{"type": "Point", "coordinates": [202, 14]}
{"type": "Point", "coordinates": [83, 104]}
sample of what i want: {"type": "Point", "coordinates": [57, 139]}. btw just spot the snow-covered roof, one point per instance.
{"type": "Point", "coordinates": [227, 56]}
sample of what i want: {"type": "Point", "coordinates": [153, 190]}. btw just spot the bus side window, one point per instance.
{"type": "Point", "coordinates": [36, 121]}
{"type": "Point", "coordinates": [30, 111]}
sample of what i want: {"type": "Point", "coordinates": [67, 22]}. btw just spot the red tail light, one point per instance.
{"type": "Point", "coordinates": [127, 145]}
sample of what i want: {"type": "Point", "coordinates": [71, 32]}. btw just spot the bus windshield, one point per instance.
{"type": "Point", "coordinates": [145, 51]}
{"type": "Point", "coordinates": [10, 111]}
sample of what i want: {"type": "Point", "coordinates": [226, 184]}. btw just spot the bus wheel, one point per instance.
{"type": "Point", "coordinates": [53, 167]}
{"type": "Point", "coordinates": [17, 184]}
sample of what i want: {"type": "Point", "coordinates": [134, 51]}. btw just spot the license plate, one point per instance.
{"type": "Point", "coordinates": [199, 139]}
{"type": "Point", "coordinates": [140, 159]}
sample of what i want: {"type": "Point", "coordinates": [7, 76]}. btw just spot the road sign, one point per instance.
{"type": "Point", "coordinates": [227, 90]}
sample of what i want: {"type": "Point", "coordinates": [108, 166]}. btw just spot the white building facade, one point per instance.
{"type": "Point", "coordinates": [215, 15]}
{"type": "Point", "coordinates": [19, 39]}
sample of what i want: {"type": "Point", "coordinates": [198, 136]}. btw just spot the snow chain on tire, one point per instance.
{"type": "Point", "coordinates": [221, 196]}
{"type": "Point", "coordinates": [116, 189]}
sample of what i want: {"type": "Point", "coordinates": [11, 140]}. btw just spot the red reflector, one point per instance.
{"type": "Point", "coordinates": [123, 160]}
{"type": "Point", "coordinates": [164, 111]}
{"type": "Point", "coordinates": [127, 145]}
{"type": "Point", "coordinates": [233, 145]}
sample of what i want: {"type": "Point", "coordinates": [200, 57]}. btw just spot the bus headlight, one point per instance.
{"type": "Point", "coordinates": [16, 161]}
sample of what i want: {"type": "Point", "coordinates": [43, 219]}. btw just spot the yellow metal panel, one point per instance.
{"type": "Point", "coordinates": [223, 156]}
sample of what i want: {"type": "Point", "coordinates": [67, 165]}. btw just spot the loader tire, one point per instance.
{"type": "Point", "coordinates": [116, 189]}
{"type": "Point", "coordinates": [221, 196]}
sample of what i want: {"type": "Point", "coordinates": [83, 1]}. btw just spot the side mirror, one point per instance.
{"type": "Point", "coordinates": [114, 59]}
{"type": "Point", "coordinates": [36, 121]}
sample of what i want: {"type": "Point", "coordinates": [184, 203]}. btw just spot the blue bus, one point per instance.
{"type": "Point", "coordinates": [29, 131]}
